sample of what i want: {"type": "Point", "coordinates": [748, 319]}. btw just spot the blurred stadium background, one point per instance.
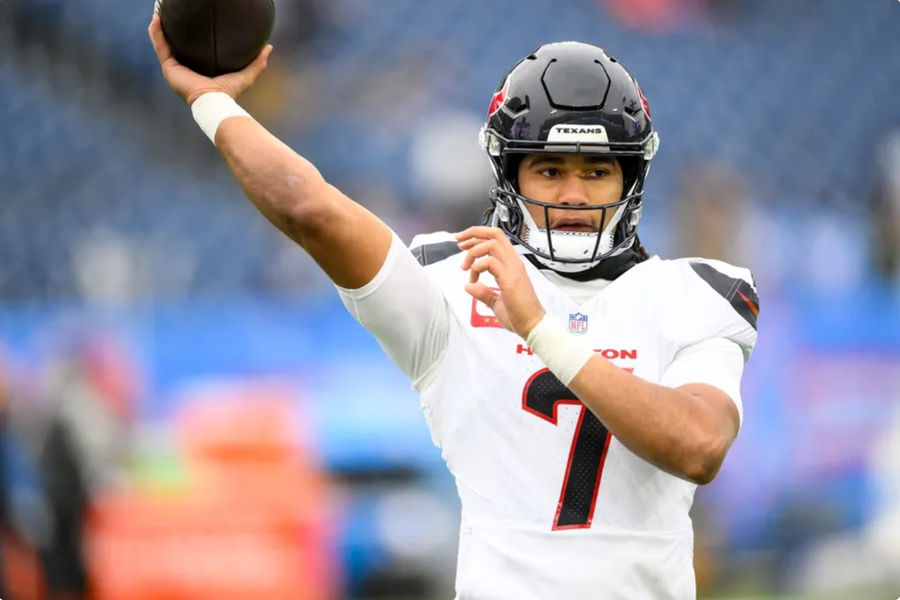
{"type": "Point", "coordinates": [188, 412]}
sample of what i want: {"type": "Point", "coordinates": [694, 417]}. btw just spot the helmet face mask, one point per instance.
{"type": "Point", "coordinates": [566, 98]}
{"type": "Point", "coordinates": [562, 250]}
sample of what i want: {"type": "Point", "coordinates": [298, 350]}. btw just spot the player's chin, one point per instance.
{"type": "Point", "coordinates": [572, 225]}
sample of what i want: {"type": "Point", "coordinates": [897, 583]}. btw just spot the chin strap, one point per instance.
{"type": "Point", "coordinates": [608, 268]}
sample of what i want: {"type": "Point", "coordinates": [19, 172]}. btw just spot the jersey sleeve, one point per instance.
{"type": "Point", "coordinates": [726, 303]}
{"type": "Point", "coordinates": [710, 320]}
{"type": "Point", "coordinates": [405, 311]}
{"type": "Point", "coordinates": [718, 362]}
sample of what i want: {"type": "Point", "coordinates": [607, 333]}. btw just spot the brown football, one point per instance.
{"type": "Point", "coordinates": [213, 37]}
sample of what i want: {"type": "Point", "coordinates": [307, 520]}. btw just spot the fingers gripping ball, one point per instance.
{"type": "Point", "coordinates": [213, 37]}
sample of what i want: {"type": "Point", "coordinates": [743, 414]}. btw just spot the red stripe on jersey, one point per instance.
{"type": "Point", "coordinates": [749, 303]}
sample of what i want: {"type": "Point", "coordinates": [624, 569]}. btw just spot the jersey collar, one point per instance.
{"type": "Point", "coordinates": [609, 268]}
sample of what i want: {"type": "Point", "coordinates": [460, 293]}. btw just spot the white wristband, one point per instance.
{"type": "Point", "coordinates": [211, 108]}
{"type": "Point", "coordinates": [564, 353]}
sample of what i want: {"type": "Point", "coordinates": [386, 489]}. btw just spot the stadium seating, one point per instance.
{"type": "Point", "coordinates": [784, 93]}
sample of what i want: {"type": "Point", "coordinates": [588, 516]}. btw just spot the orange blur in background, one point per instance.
{"type": "Point", "coordinates": [250, 523]}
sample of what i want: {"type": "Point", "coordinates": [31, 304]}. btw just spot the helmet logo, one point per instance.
{"type": "Point", "coordinates": [586, 134]}
{"type": "Point", "coordinates": [644, 103]}
{"type": "Point", "coordinates": [498, 99]}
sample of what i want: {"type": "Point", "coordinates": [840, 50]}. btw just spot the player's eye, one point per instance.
{"type": "Point", "coordinates": [598, 172]}
{"type": "Point", "coordinates": [549, 172]}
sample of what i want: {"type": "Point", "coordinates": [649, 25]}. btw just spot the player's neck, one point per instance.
{"type": "Point", "coordinates": [609, 269]}
{"type": "Point", "coordinates": [583, 286]}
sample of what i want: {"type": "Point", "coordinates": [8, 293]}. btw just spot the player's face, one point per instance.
{"type": "Point", "coordinates": [574, 180]}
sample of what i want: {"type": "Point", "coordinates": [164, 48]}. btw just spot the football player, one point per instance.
{"type": "Point", "coordinates": [578, 388]}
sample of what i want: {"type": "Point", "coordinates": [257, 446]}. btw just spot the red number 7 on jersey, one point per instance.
{"type": "Point", "coordinates": [542, 396]}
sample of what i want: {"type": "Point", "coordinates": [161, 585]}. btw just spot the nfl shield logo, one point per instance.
{"type": "Point", "coordinates": [578, 323]}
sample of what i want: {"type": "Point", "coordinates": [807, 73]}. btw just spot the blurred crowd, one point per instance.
{"type": "Point", "coordinates": [63, 438]}
{"type": "Point", "coordinates": [230, 502]}
{"type": "Point", "coordinates": [388, 100]}
{"type": "Point", "coordinates": [780, 150]}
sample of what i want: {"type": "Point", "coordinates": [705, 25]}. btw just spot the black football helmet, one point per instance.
{"type": "Point", "coordinates": [568, 97]}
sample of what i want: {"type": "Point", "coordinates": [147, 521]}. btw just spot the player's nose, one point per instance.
{"type": "Point", "coordinates": [572, 191]}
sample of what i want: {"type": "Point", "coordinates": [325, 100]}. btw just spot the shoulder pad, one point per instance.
{"type": "Point", "coordinates": [734, 284]}
{"type": "Point", "coordinates": [430, 248]}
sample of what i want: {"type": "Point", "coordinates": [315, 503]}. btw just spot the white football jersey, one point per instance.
{"type": "Point", "coordinates": [553, 506]}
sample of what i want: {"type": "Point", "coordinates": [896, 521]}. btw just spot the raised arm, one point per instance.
{"type": "Point", "coordinates": [347, 241]}
{"type": "Point", "coordinates": [372, 268]}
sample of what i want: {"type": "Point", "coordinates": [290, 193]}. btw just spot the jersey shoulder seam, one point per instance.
{"type": "Point", "coordinates": [432, 248]}
{"type": "Point", "coordinates": [737, 291]}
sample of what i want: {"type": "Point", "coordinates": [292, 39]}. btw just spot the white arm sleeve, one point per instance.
{"type": "Point", "coordinates": [718, 362]}
{"type": "Point", "coordinates": [404, 310]}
